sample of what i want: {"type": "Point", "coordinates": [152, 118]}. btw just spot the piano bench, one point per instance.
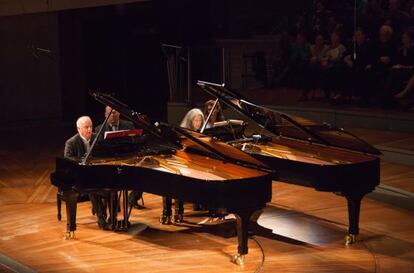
{"type": "Point", "coordinates": [60, 198]}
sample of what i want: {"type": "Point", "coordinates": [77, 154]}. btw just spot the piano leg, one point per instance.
{"type": "Point", "coordinates": [354, 207]}
{"type": "Point", "coordinates": [243, 218]}
{"type": "Point", "coordinates": [71, 201]}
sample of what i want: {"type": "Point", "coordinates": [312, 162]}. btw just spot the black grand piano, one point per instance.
{"type": "Point", "coordinates": [303, 152]}
{"type": "Point", "coordinates": [173, 162]}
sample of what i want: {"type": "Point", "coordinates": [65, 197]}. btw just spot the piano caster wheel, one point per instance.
{"type": "Point", "coordinates": [178, 218]}
{"type": "Point", "coordinates": [69, 235]}
{"type": "Point", "coordinates": [238, 259]}
{"type": "Point", "coordinates": [165, 220]}
{"type": "Point", "coordinates": [350, 239]}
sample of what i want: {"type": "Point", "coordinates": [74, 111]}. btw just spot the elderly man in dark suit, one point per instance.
{"type": "Point", "coordinates": [114, 123]}
{"type": "Point", "coordinates": [76, 148]}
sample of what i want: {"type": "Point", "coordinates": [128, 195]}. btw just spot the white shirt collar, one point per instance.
{"type": "Point", "coordinates": [84, 140]}
{"type": "Point", "coordinates": [115, 124]}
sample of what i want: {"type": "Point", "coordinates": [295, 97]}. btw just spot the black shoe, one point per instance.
{"type": "Point", "coordinates": [178, 218]}
{"type": "Point", "coordinates": [112, 226]}
{"type": "Point", "coordinates": [102, 223]}
{"type": "Point", "coordinates": [165, 220]}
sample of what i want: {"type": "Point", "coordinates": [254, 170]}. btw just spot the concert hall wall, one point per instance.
{"type": "Point", "coordinates": [29, 78]}
{"type": "Point", "coordinates": [50, 61]}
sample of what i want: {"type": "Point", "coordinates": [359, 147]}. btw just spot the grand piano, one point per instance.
{"type": "Point", "coordinates": [303, 152]}
{"type": "Point", "coordinates": [173, 162]}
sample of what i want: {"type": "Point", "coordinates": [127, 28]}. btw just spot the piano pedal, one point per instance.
{"type": "Point", "coordinates": [69, 235]}
{"type": "Point", "coordinates": [165, 220]}
{"type": "Point", "coordinates": [178, 218]}
{"type": "Point", "coordinates": [238, 259]}
{"type": "Point", "coordinates": [351, 238]}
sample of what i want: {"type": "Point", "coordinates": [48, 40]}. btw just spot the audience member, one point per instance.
{"type": "Point", "coordinates": [382, 58]}
{"type": "Point", "coordinates": [401, 71]}
{"type": "Point", "coordinates": [396, 17]}
{"type": "Point", "coordinates": [297, 67]}
{"type": "Point", "coordinates": [357, 62]}
{"type": "Point", "coordinates": [405, 98]}
{"type": "Point", "coordinates": [318, 53]}
{"type": "Point", "coordinates": [332, 66]}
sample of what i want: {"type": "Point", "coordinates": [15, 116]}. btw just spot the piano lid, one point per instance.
{"type": "Point", "coordinates": [195, 140]}
{"type": "Point", "coordinates": [281, 124]}
{"type": "Point", "coordinates": [181, 138]}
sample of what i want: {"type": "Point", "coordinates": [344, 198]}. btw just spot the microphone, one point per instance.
{"type": "Point", "coordinates": [44, 50]}
{"type": "Point", "coordinates": [35, 50]}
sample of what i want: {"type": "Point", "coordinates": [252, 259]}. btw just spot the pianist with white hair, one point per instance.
{"type": "Point", "coordinates": [76, 148]}
{"type": "Point", "coordinates": [193, 120]}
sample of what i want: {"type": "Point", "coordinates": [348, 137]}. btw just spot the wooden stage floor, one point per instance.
{"type": "Point", "coordinates": [303, 230]}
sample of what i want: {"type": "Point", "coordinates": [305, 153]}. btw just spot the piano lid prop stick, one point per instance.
{"type": "Point", "coordinates": [96, 138]}
{"type": "Point", "coordinates": [209, 115]}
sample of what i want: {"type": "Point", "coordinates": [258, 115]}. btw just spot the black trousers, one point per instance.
{"type": "Point", "coordinates": [167, 205]}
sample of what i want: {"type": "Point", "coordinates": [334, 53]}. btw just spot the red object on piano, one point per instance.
{"type": "Point", "coordinates": [122, 133]}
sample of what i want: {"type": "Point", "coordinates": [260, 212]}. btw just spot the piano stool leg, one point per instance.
{"type": "Point", "coordinates": [354, 208]}
{"type": "Point", "coordinates": [165, 217]}
{"type": "Point", "coordinates": [71, 200]}
{"type": "Point", "coordinates": [178, 211]}
{"type": "Point", "coordinates": [243, 219]}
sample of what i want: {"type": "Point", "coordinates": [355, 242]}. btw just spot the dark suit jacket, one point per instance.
{"type": "Point", "coordinates": [74, 147]}
{"type": "Point", "coordinates": [123, 125]}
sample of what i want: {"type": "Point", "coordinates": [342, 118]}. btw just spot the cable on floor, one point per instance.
{"type": "Point", "coordinates": [260, 267]}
